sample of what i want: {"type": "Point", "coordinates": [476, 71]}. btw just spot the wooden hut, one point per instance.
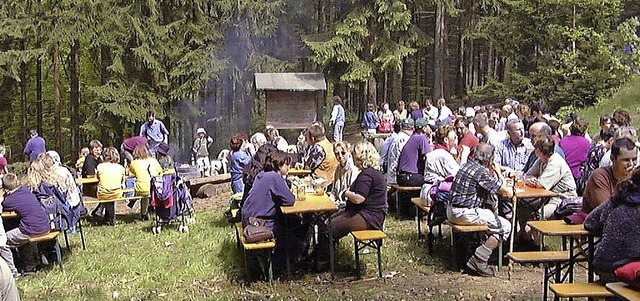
{"type": "Point", "coordinates": [293, 100]}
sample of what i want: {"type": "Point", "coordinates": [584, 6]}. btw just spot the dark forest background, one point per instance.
{"type": "Point", "coordinates": [77, 70]}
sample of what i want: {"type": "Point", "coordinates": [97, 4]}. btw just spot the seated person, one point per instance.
{"type": "Point", "coordinates": [165, 160]}
{"type": "Point", "coordinates": [268, 193]}
{"type": "Point", "coordinates": [111, 178]}
{"type": "Point", "coordinates": [412, 157]}
{"type": "Point", "coordinates": [512, 153]}
{"type": "Point", "coordinates": [473, 191]}
{"type": "Point", "coordinates": [319, 156]}
{"type": "Point", "coordinates": [143, 167]}
{"type": "Point", "coordinates": [33, 221]}
{"type": "Point", "coordinates": [617, 221]}
{"type": "Point", "coordinates": [440, 163]}
{"type": "Point", "coordinates": [366, 200]}
{"type": "Point", "coordinates": [603, 183]}
{"type": "Point", "coordinates": [346, 172]}
{"type": "Point", "coordinates": [550, 172]}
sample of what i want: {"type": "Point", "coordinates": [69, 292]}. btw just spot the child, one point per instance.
{"type": "Point", "coordinates": [83, 154]}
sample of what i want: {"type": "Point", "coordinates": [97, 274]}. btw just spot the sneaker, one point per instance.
{"type": "Point", "coordinates": [480, 267]}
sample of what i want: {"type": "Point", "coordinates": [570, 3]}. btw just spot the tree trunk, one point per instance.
{"type": "Point", "coordinates": [438, 52]}
{"type": "Point", "coordinates": [74, 103]}
{"type": "Point", "coordinates": [396, 91]}
{"type": "Point", "coordinates": [57, 101]}
{"type": "Point", "coordinates": [23, 97]}
{"type": "Point", "coordinates": [39, 93]}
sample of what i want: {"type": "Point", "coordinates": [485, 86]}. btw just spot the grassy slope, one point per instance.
{"type": "Point", "coordinates": [628, 97]}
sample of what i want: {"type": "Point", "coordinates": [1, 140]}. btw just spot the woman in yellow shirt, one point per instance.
{"type": "Point", "coordinates": [111, 176]}
{"type": "Point", "coordinates": [143, 167]}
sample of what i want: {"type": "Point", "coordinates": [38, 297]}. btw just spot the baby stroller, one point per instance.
{"type": "Point", "coordinates": [172, 202]}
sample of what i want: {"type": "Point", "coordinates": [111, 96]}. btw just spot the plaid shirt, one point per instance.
{"type": "Point", "coordinates": [514, 157]}
{"type": "Point", "coordinates": [472, 185]}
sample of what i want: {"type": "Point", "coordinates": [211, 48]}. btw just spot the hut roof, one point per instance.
{"type": "Point", "coordinates": [290, 81]}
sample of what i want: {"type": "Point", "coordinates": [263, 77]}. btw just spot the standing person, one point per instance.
{"type": "Point", "coordinates": [154, 130]}
{"type": "Point", "coordinates": [35, 146]}
{"type": "Point", "coordinates": [337, 118]}
{"type": "Point", "coordinates": [33, 221]}
{"type": "Point", "coordinates": [127, 147]}
{"type": "Point", "coordinates": [143, 167]}
{"type": "Point", "coordinates": [395, 149]}
{"type": "Point", "coordinates": [3, 162]}
{"type": "Point", "coordinates": [111, 178]}
{"type": "Point", "coordinates": [370, 120]}
{"type": "Point", "coordinates": [200, 151]}
{"type": "Point", "coordinates": [239, 160]}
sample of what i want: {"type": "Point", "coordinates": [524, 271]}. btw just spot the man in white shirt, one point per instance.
{"type": "Point", "coordinates": [396, 148]}
{"type": "Point", "coordinates": [489, 135]}
{"type": "Point", "coordinates": [337, 118]}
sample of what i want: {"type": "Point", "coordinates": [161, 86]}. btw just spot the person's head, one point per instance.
{"type": "Point", "coordinates": [397, 126]}
{"type": "Point", "coordinates": [539, 129]}
{"type": "Point", "coordinates": [385, 106]}
{"type": "Point", "coordinates": [620, 118]}
{"type": "Point", "coordinates": [201, 132]}
{"type": "Point", "coordinates": [428, 103]}
{"type": "Point", "coordinates": [537, 109]}
{"type": "Point", "coordinates": [623, 155]}
{"type": "Point", "coordinates": [605, 123]}
{"type": "Point", "coordinates": [95, 148]}
{"type": "Point", "coordinates": [33, 133]}
{"type": "Point", "coordinates": [272, 133]}
{"type": "Point", "coordinates": [10, 182]}
{"type": "Point", "coordinates": [337, 100]}
{"type": "Point", "coordinates": [111, 155]}
{"type": "Point", "coordinates": [480, 121]}
{"type": "Point", "coordinates": [414, 106]}
{"type": "Point", "coordinates": [55, 157]}
{"type": "Point", "coordinates": [38, 172]}
{"type": "Point", "coordinates": [484, 154]}
{"type": "Point", "coordinates": [626, 132]}
{"type": "Point", "coordinates": [371, 107]}
{"type": "Point", "coordinates": [46, 159]}
{"type": "Point", "coordinates": [151, 117]}
{"type": "Point", "coordinates": [141, 152]}
{"type": "Point", "coordinates": [2, 150]}
{"type": "Point", "coordinates": [421, 126]}
{"type": "Point", "coordinates": [579, 127]}
{"type": "Point", "coordinates": [400, 105]}
{"type": "Point", "coordinates": [342, 150]}
{"type": "Point", "coordinates": [544, 147]}
{"type": "Point", "coordinates": [515, 129]}
{"type": "Point", "coordinates": [441, 103]}
{"type": "Point", "coordinates": [365, 155]}
{"type": "Point", "coordinates": [84, 152]}
{"type": "Point", "coordinates": [236, 141]}
{"type": "Point", "coordinates": [523, 110]}
{"type": "Point", "coordinates": [277, 161]}
{"type": "Point", "coordinates": [258, 139]}
{"type": "Point", "coordinates": [554, 124]}
{"type": "Point", "coordinates": [446, 135]}
{"type": "Point", "coordinates": [315, 132]}
{"type": "Point", "coordinates": [462, 127]}
{"type": "Point", "coordinates": [408, 124]}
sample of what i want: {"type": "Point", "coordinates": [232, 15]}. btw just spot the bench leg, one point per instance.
{"type": "Point", "coordinates": [84, 246]}
{"type": "Point", "coordinates": [378, 246]}
{"type": "Point", "coordinates": [500, 254]}
{"type": "Point", "coordinates": [58, 253]}
{"type": "Point", "coordinates": [357, 256]}
{"type": "Point", "coordinates": [66, 240]}
{"type": "Point", "coordinates": [419, 221]}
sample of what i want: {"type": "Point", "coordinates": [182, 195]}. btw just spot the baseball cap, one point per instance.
{"type": "Point", "coordinates": [201, 130]}
{"type": "Point", "coordinates": [421, 122]}
{"type": "Point", "coordinates": [408, 123]}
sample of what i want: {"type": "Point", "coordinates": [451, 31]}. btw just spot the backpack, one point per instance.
{"type": "Point", "coordinates": [568, 207]}
{"type": "Point", "coordinates": [52, 201]}
{"type": "Point", "coordinates": [440, 196]}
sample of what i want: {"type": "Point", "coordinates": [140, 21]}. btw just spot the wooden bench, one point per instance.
{"type": "Point", "coordinates": [470, 229]}
{"type": "Point", "coordinates": [94, 201]}
{"type": "Point", "coordinates": [550, 259]}
{"type": "Point", "coordinates": [399, 188]}
{"type": "Point", "coordinates": [53, 235]}
{"type": "Point", "coordinates": [256, 249]}
{"type": "Point", "coordinates": [368, 238]}
{"type": "Point", "coordinates": [580, 290]}
{"type": "Point", "coordinates": [421, 211]}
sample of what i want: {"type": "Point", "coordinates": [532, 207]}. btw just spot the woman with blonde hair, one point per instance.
{"type": "Point", "coordinates": [143, 167]}
{"type": "Point", "coordinates": [111, 177]}
{"type": "Point", "coordinates": [39, 171]}
{"type": "Point", "coordinates": [366, 206]}
{"type": "Point", "coordinates": [273, 137]}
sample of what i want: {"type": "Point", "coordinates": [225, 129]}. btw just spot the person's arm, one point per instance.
{"type": "Point", "coordinates": [464, 154]}
{"type": "Point", "coordinates": [143, 131]}
{"type": "Point", "coordinates": [596, 219]}
{"type": "Point", "coordinates": [316, 156]}
{"type": "Point", "coordinates": [354, 197]}
{"type": "Point", "coordinates": [281, 193]}
{"type": "Point", "coordinates": [334, 114]}
{"type": "Point", "coordinates": [164, 132]}
{"type": "Point", "coordinates": [359, 190]}
{"type": "Point", "coordinates": [28, 148]}
{"type": "Point", "coordinates": [488, 184]}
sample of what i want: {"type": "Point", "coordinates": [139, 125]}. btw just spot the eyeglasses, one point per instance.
{"type": "Point", "coordinates": [340, 154]}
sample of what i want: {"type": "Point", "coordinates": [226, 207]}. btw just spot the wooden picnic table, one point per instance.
{"type": "Point", "coordinates": [314, 206]}
{"type": "Point", "coordinates": [81, 181]}
{"type": "Point", "coordinates": [299, 172]}
{"type": "Point", "coordinates": [623, 290]}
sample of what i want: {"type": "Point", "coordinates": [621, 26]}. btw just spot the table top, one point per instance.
{"type": "Point", "coordinates": [527, 192]}
{"type": "Point", "coordinates": [623, 290]}
{"type": "Point", "coordinates": [312, 203]}
{"type": "Point", "coordinates": [86, 180]}
{"type": "Point", "coordinates": [299, 172]}
{"type": "Point", "coordinates": [557, 228]}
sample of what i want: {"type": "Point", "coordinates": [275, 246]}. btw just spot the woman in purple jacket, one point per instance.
{"type": "Point", "coordinates": [269, 192]}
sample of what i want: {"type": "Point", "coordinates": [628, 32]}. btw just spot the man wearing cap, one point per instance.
{"type": "Point", "coordinates": [200, 151]}
{"type": "Point", "coordinates": [411, 161]}
{"type": "Point", "coordinates": [396, 148]}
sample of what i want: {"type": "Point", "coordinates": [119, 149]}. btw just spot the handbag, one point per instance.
{"type": "Point", "coordinates": [629, 273]}
{"type": "Point", "coordinates": [256, 231]}
{"type": "Point", "coordinates": [385, 127]}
